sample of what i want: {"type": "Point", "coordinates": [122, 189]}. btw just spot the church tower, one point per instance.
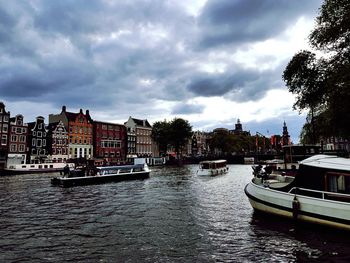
{"type": "Point", "coordinates": [238, 127]}
{"type": "Point", "coordinates": [285, 135]}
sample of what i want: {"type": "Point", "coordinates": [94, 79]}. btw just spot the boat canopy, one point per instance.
{"type": "Point", "coordinates": [327, 162]}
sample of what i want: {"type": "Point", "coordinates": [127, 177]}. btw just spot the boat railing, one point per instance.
{"type": "Point", "coordinates": [335, 196]}
{"type": "Point", "coordinates": [120, 169]}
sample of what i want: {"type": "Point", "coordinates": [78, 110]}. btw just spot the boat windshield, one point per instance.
{"type": "Point", "coordinates": [205, 165]}
{"type": "Point", "coordinates": [212, 165]}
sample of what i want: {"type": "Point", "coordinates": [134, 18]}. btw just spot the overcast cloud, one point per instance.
{"type": "Point", "coordinates": [154, 59]}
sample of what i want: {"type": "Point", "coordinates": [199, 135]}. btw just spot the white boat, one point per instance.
{"type": "Point", "coordinates": [319, 193]}
{"type": "Point", "coordinates": [98, 175]}
{"type": "Point", "coordinates": [36, 168]}
{"type": "Point", "coordinates": [248, 160]}
{"type": "Point", "coordinates": [212, 168]}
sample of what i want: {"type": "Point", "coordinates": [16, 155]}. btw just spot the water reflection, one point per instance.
{"type": "Point", "coordinates": [307, 242]}
{"type": "Point", "coordinates": [173, 216]}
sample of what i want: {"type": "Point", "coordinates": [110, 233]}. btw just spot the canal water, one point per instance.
{"type": "Point", "coordinates": [174, 216]}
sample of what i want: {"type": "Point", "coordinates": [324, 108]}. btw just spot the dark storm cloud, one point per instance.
{"type": "Point", "coordinates": [242, 85]}
{"type": "Point", "coordinates": [220, 84]}
{"type": "Point", "coordinates": [123, 56]}
{"type": "Point", "coordinates": [241, 21]}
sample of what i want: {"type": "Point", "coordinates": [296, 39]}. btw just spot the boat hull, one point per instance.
{"type": "Point", "coordinates": [308, 209]}
{"type": "Point", "coordinates": [31, 171]}
{"type": "Point", "coordinates": [89, 180]}
{"type": "Point", "coordinates": [212, 172]}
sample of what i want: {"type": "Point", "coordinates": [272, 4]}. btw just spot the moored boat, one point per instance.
{"type": "Point", "coordinates": [319, 193]}
{"type": "Point", "coordinates": [36, 168]}
{"type": "Point", "coordinates": [98, 175]}
{"type": "Point", "coordinates": [212, 168]}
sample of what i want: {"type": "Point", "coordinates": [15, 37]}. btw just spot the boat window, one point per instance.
{"type": "Point", "coordinates": [338, 182]}
{"type": "Point", "coordinates": [205, 166]}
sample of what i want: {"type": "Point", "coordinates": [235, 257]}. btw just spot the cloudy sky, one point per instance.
{"type": "Point", "coordinates": [207, 61]}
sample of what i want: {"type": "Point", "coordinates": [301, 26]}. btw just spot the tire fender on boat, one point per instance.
{"type": "Point", "coordinates": [295, 207]}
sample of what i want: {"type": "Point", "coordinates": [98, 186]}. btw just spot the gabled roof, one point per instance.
{"type": "Point", "coordinates": [144, 123]}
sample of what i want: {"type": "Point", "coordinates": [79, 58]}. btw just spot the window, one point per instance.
{"type": "Point", "coordinates": [13, 138]}
{"type": "Point", "coordinates": [24, 130]}
{"type": "Point", "coordinates": [4, 127]}
{"type": "Point", "coordinates": [13, 147]}
{"type": "Point", "coordinates": [34, 133]}
{"type": "Point", "coordinates": [33, 142]}
{"type": "Point", "coordinates": [39, 143]}
{"type": "Point", "coordinates": [19, 130]}
{"type": "Point", "coordinates": [22, 138]}
{"type": "Point", "coordinates": [44, 142]}
{"type": "Point", "coordinates": [40, 126]}
{"type": "Point", "coordinates": [21, 148]}
{"type": "Point", "coordinates": [338, 182]}
{"type": "Point", "coordinates": [40, 134]}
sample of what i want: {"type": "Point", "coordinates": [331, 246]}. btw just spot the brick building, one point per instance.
{"type": "Point", "coordinates": [4, 134]}
{"type": "Point", "coordinates": [110, 142]}
{"type": "Point", "coordinates": [80, 132]}
{"type": "Point", "coordinates": [18, 136]}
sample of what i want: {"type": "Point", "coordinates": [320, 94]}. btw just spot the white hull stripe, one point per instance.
{"type": "Point", "coordinates": [300, 212]}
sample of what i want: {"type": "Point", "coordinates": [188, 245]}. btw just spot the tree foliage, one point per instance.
{"type": "Point", "coordinates": [180, 133]}
{"type": "Point", "coordinates": [228, 143]}
{"type": "Point", "coordinates": [174, 133]}
{"type": "Point", "coordinates": [322, 85]}
{"type": "Point", "coordinates": [160, 134]}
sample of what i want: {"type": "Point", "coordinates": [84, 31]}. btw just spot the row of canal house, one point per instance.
{"type": "Point", "coordinates": [71, 135]}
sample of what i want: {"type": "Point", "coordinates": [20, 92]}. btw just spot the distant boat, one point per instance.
{"type": "Point", "coordinates": [36, 168]}
{"type": "Point", "coordinates": [248, 160]}
{"type": "Point", "coordinates": [212, 168]}
{"type": "Point", "coordinates": [98, 175]}
{"type": "Point", "coordinates": [319, 193]}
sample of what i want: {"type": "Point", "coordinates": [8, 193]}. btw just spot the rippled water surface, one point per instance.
{"type": "Point", "coordinates": [174, 216]}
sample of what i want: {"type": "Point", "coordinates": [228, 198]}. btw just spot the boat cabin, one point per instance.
{"type": "Point", "coordinates": [213, 164]}
{"type": "Point", "coordinates": [324, 173]}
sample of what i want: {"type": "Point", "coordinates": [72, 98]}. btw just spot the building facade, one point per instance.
{"type": "Point", "coordinates": [18, 136]}
{"type": "Point", "coordinates": [110, 142]}
{"type": "Point", "coordinates": [143, 132]}
{"type": "Point", "coordinates": [4, 134]}
{"type": "Point", "coordinates": [37, 141]}
{"type": "Point", "coordinates": [202, 142]}
{"type": "Point", "coordinates": [80, 132]}
{"type": "Point", "coordinates": [58, 142]}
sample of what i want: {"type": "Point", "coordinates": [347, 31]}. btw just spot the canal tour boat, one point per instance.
{"type": "Point", "coordinates": [212, 168]}
{"type": "Point", "coordinates": [98, 175]}
{"type": "Point", "coordinates": [319, 193]}
{"type": "Point", "coordinates": [36, 168]}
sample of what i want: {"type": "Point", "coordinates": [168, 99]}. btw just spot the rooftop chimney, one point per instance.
{"type": "Point", "coordinates": [63, 108]}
